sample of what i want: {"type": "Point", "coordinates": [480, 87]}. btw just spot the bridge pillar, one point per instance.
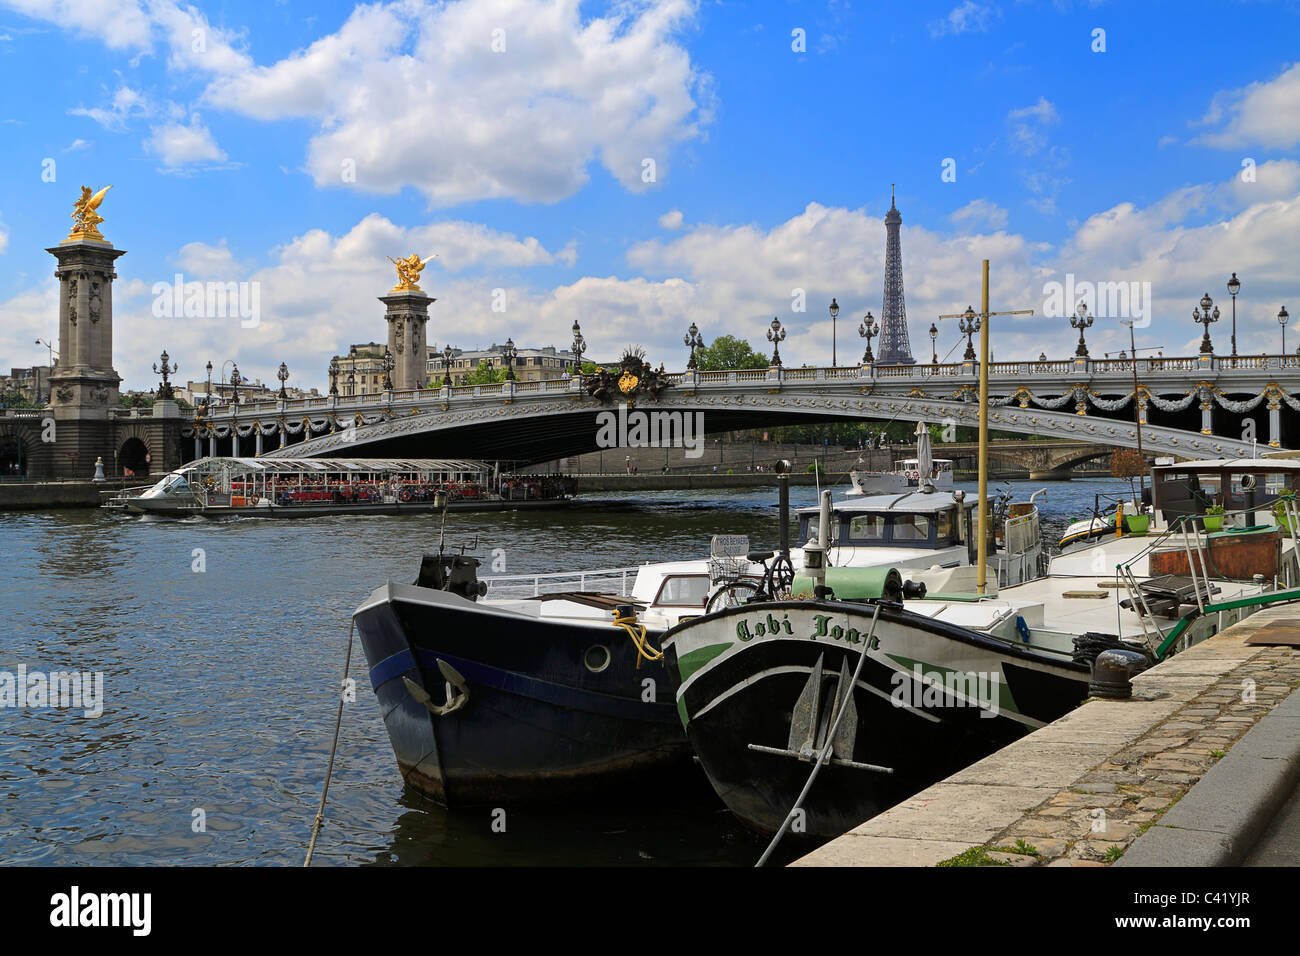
{"type": "Point", "coordinates": [234, 442]}
{"type": "Point", "coordinates": [1274, 422]}
{"type": "Point", "coordinates": [407, 314]}
{"type": "Point", "coordinates": [83, 384]}
{"type": "Point", "coordinates": [1207, 411]}
{"type": "Point", "coordinates": [198, 446]}
{"type": "Point", "coordinates": [257, 442]}
{"type": "Point", "coordinates": [212, 445]}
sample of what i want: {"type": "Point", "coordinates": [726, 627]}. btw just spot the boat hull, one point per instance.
{"type": "Point", "coordinates": [539, 725]}
{"type": "Point", "coordinates": [740, 685]}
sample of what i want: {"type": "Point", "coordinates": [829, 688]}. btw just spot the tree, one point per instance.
{"type": "Point", "coordinates": [1127, 463]}
{"type": "Point", "coordinates": [485, 374]}
{"type": "Point", "coordinates": [728, 352]}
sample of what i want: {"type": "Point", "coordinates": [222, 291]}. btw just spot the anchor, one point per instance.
{"type": "Point", "coordinates": [457, 691]}
{"type": "Point", "coordinates": [810, 723]}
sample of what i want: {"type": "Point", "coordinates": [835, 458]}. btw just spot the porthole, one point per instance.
{"type": "Point", "coordinates": [597, 658]}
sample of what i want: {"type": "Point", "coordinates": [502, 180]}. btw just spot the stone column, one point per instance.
{"type": "Point", "coordinates": [1274, 420]}
{"type": "Point", "coordinates": [407, 315]}
{"type": "Point", "coordinates": [234, 442]}
{"type": "Point", "coordinates": [257, 444]}
{"type": "Point", "coordinates": [1207, 411]}
{"type": "Point", "coordinates": [198, 446]}
{"type": "Point", "coordinates": [212, 445]}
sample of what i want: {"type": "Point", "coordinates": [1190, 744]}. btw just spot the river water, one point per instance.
{"type": "Point", "coordinates": [221, 645]}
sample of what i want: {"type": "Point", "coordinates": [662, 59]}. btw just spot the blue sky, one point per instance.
{"type": "Point", "coordinates": [510, 137]}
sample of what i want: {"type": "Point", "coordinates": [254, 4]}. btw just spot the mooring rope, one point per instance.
{"type": "Point", "coordinates": [830, 737]}
{"type": "Point", "coordinates": [338, 722]}
{"type": "Point", "coordinates": [636, 631]}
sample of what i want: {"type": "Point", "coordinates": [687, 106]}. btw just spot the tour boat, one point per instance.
{"type": "Point", "coordinates": [906, 474]}
{"type": "Point", "coordinates": [309, 487]}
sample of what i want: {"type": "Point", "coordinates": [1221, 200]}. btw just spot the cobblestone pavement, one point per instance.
{"type": "Point", "coordinates": [1094, 821]}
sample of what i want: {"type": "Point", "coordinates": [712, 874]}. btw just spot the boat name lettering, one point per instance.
{"type": "Point", "coordinates": [764, 628]}
{"type": "Point", "coordinates": [747, 630]}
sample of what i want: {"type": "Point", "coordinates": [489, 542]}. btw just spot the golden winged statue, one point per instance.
{"type": "Point", "coordinates": [85, 218]}
{"type": "Point", "coordinates": [408, 272]}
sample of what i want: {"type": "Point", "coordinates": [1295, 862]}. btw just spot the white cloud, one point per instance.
{"type": "Point", "coordinates": [671, 219]}
{"type": "Point", "coordinates": [980, 212]}
{"type": "Point", "coordinates": [77, 144]}
{"type": "Point", "coordinates": [121, 25]}
{"type": "Point", "coordinates": [413, 94]}
{"type": "Point", "coordinates": [1029, 126]}
{"type": "Point", "coordinates": [179, 144]}
{"type": "Point", "coordinates": [4, 237]}
{"type": "Point", "coordinates": [1261, 114]}
{"type": "Point", "coordinates": [966, 17]}
{"type": "Point", "coordinates": [126, 104]}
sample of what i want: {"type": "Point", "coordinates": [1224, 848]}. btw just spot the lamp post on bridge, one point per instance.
{"type": "Point", "coordinates": [236, 380]}
{"type": "Point", "coordinates": [508, 352]}
{"type": "Point", "coordinates": [389, 364]}
{"type": "Point", "coordinates": [868, 328]}
{"type": "Point", "coordinates": [1204, 317]}
{"type": "Point", "coordinates": [968, 323]}
{"type": "Point", "coordinates": [1234, 286]}
{"type": "Point", "coordinates": [207, 398]}
{"type": "Point", "coordinates": [695, 341]}
{"type": "Point", "coordinates": [1081, 320]}
{"type": "Point", "coordinates": [283, 376]}
{"type": "Point", "coordinates": [446, 366]}
{"type": "Point", "coordinates": [1281, 320]}
{"type": "Point", "coordinates": [579, 346]}
{"type": "Point", "coordinates": [334, 376]}
{"type": "Point", "coordinates": [776, 335]}
{"type": "Point", "coordinates": [165, 390]}
{"type": "Point", "coordinates": [934, 345]}
{"type": "Point", "coordinates": [835, 314]}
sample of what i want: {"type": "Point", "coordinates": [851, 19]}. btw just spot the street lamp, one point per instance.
{"type": "Point", "coordinates": [235, 381]}
{"type": "Point", "coordinates": [579, 346]}
{"type": "Point", "coordinates": [1234, 286]}
{"type": "Point", "coordinates": [508, 352]}
{"type": "Point", "coordinates": [776, 335]}
{"type": "Point", "coordinates": [969, 324]}
{"type": "Point", "coordinates": [389, 364]}
{"type": "Point", "coordinates": [446, 365]}
{"type": "Point", "coordinates": [283, 376]}
{"type": "Point", "coordinates": [1281, 320]}
{"type": "Point", "coordinates": [1204, 316]}
{"type": "Point", "coordinates": [835, 314]}
{"type": "Point", "coordinates": [1081, 320]}
{"type": "Point", "coordinates": [334, 376]}
{"type": "Point", "coordinates": [934, 344]}
{"type": "Point", "coordinates": [165, 390]}
{"type": "Point", "coordinates": [207, 399]}
{"type": "Point", "coordinates": [695, 341]}
{"type": "Point", "coordinates": [868, 328]}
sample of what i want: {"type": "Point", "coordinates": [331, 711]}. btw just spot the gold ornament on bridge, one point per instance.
{"type": "Point", "coordinates": [408, 272]}
{"type": "Point", "coordinates": [627, 383]}
{"type": "Point", "coordinates": [85, 218]}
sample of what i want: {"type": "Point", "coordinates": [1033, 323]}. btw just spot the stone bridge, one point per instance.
{"type": "Point", "coordinates": [1088, 402]}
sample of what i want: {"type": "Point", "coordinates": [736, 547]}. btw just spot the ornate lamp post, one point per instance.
{"type": "Point", "coordinates": [207, 399]}
{"type": "Point", "coordinates": [868, 328]}
{"type": "Point", "coordinates": [695, 341]}
{"type": "Point", "coordinates": [165, 390]}
{"type": "Point", "coordinates": [283, 376]}
{"type": "Point", "coordinates": [1204, 316]}
{"type": "Point", "coordinates": [934, 345]}
{"type": "Point", "coordinates": [334, 376]}
{"type": "Point", "coordinates": [389, 364]}
{"type": "Point", "coordinates": [578, 347]}
{"type": "Point", "coordinates": [969, 323]}
{"type": "Point", "coordinates": [835, 314]}
{"type": "Point", "coordinates": [776, 335]}
{"type": "Point", "coordinates": [1081, 320]}
{"type": "Point", "coordinates": [446, 366]}
{"type": "Point", "coordinates": [1281, 320]}
{"type": "Point", "coordinates": [236, 380]}
{"type": "Point", "coordinates": [1234, 286]}
{"type": "Point", "coordinates": [508, 352]}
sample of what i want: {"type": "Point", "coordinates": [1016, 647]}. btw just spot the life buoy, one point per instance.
{"type": "Point", "coordinates": [405, 495]}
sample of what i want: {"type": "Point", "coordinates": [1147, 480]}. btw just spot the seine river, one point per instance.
{"type": "Point", "coordinates": [220, 687]}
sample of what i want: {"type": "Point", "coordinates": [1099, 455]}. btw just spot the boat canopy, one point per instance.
{"type": "Point", "coordinates": [316, 466]}
{"type": "Point", "coordinates": [918, 502]}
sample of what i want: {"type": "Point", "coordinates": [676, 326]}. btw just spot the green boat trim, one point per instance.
{"type": "Point", "coordinates": [1258, 600]}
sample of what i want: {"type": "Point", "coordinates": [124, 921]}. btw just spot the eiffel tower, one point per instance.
{"type": "Point", "coordinates": [894, 346]}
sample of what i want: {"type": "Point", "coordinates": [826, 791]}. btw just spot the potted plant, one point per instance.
{"type": "Point", "coordinates": [1214, 518]}
{"type": "Point", "coordinates": [1137, 523]}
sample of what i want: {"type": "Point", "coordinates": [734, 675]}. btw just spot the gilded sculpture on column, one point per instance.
{"type": "Point", "coordinates": [408, 272]}
{"type": "Point", "coordinates": [85, 215]}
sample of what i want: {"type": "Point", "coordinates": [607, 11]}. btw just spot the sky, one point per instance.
{"type": "Point", "coordinates": [639, 166]}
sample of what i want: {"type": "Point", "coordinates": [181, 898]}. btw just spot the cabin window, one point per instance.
{"type": "Point", "coordinates": [867, 528]}
{"type": "Point", "coordinates": [943, 525]}
{"type": "Point", "coordinates": [684, 590]}
{"type": "Point", "coordinates": [911, 528]}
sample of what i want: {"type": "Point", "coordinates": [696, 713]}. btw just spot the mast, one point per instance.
{"type": "Point", "coordinates": [983, 544]}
